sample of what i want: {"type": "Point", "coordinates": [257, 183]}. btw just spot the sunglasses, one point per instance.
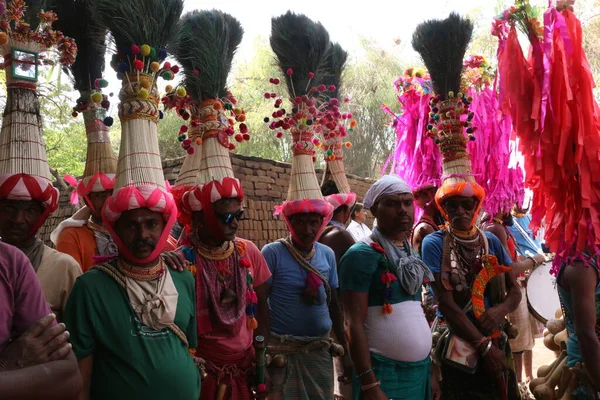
{"type": "Point", "coordinates": [467, 205]}
{"type": "Point", "coordinates": [229, 217]}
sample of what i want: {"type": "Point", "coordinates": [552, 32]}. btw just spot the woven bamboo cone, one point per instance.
{"type": "Point", "coordinates": [100, 155]}
{"type": "Point", "coordinates": [189, 169]}
{"type": "Point", "coordinates": [139, 160]}
{"type": "Point", "coordinates": [22, 147]}
{"type": "Point", "coordinates": [303, 180]}
{"type": "Point", "coordinates": [216, 161]}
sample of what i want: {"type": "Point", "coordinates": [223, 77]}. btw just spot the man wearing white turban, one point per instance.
{"type": "Point", "coordinates": [381, 281]}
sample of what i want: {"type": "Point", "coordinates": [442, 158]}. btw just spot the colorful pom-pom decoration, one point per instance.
{"type": "Point", "coordinates": [108, 121]}
{"type": "Point", "coordinates": [175, 69]}
{"type": "Point", "coordinates": [154, 66]}
{"type": "Point", "coordinates": [181, 92]}
{"type": "Point", "coordinates": [145, 50]}
{"type": "Point", "coordinates": [199, 141]}
{"type": "Point", "coordinates": [190, 150]}
{"type": "Point", "coordinates": [96, 97]}
{"type": "Point", "coordinates": [196, 72]}
{"type": "Point", "coordinates": [169, 88]}
{"type": "Point", "coordinates": [347, 145]}
{"type": "Point", "coordinates": [167, 75]}
{"type": "Point", "coordinates": [145, 84]}
{"type": "Point", "coordinates": [162, 54]}
{"type": "Point", "coordinates": [143, 93]}
{"type": "Point", "coordinates": [74, 114]}
{"type": "Point", "coordinates": [138, 65]}
{"type": "Point", "coordinates": [289, 71]}
{"type": "Point", "coordinates": [135, 49]}
{"type": "Point", "coordinates": [3, 38]}
{"type": "Point", "coordinates": [243, 128]}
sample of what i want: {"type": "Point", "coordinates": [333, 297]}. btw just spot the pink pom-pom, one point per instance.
{"type": "Point", "coordinates": [321, 88]}
{"type": "Point", "coordinates": [135, 49]}
{"type": "Point", "coordinates": [289, 71]}
{"type": "Point", "coordinates": [167, 65]}
{"type": "Point", "coordinates": [261, 387]}
{"type": "Point", "coordinates": [299, 146]}
{"type": "Point", "coordinates": [74, 198]}
{"type": "Point", "coordinates": [331, 88]}
{"type": "Point", "coordinates": [311, 75]}
{"type": "Point", "coordinates": [196, 72]}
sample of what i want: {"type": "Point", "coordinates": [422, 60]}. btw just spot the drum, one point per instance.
{"type": "Point", "coordinates": [542, 296]}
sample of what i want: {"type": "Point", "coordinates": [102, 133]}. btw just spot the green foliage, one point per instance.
{"type": "Point", "coordinates": [369, 82]}
{"type": "Point", "coordinates": [250, 81]}
{"type": "Point", "coordinates": [168, 128]}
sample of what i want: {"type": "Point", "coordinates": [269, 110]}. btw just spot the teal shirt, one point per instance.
{"type": "Point", "coordinates": [131, 360]}
{"type": "Point", "coordinates": [573, 349]}
{"type": "Point", "coordinates": [360, 271]}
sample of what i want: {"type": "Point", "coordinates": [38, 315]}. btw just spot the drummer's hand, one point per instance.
{"type": "Point", "coordinates": [494, 361]}
{"type": "Point", "coordinates": [491, 320]}
{"type": "Point", "coordinates": [540, 258]}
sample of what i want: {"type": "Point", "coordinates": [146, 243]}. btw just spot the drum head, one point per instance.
{"type": "Point", "coordinates": [542, 296]}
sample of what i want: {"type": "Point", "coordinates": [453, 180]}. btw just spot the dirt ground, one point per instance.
{"type": "Point", "coordinates": [541, 355]}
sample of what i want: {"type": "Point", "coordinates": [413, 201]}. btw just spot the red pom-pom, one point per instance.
{"type": "Point", "coordinates": [175, 69]}
{"type": "Point", "coordinates": [185, 116]}
{"type": "Point", "coordinates": [190, 150]}
{"type": "Point", "coordinates": [298, 100]}
{"type": "Point", "coordinates": [183, 128]}
{"type": "Point", "coordinates": [229, 131]}
{"type": "Point", "coordinates": [239, 138]}
{"type": "Point", "coordinates": [285, 126]}
{"type": "Point", "coordinates": [75, 114]}
{"type": "Point", "coordinates": [321, 88]}
{"type": "Point", "coordinates": [187, 142]}
{"type": "Point", "coordinates": [267, 95]}
{"type": "Point", "coordinates": [279, 135]}
{"type": "Point", "coordinates": [261, 387]}
{"type": "Point", "coordinates": [311, 75]}
{"type": "Point", "coordinates": [276, 81]}
{"type": "Point", "coordinates": [289, 71]}
{"type": "Point", "coordinates": [231, 146]}
{"type": "Point", "coordinates": [165, 100]}
{"type": "Point", "coordinates": [243, 128]}
{"type": "Point", "coordinates": [135, 49]}
{"type": "Point", "coordinates": [138, 65]}
{"type": "Point", "coordinates": [195, 124]}
{"type": "Point", "coordinates": [196, 72]}
{"type": "Point", "coordinates": [167, 65]}
{"type": "Point", "coordinates": [246, 136]}
{"type": "Point", "coordinates": [331, 88]}
{"type": "Point", "coordinates": [273, 95]}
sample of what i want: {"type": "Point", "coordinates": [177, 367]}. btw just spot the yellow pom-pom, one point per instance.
{"type": "Point", "coordinates": [348, 145]}
{"type": "Point", "coordinates": [199, 141]}
{"type": "Point", "coordinates": [237, 111]}
{"type": "Point", "coordinates": [3, 38]}
{"type": "Point", "coordinates": [145, 50]}
{"type": "Point", "coordinates": [96, 97]}
{"type": "Point", "coordinates": [181, 92]}
{"type": "Point", "coordinates": [460, 95]}
{"type": "Point", "coordinates": [451, 94]}
{"type": "Point", "coordinates": [142, 93]}
{"type": "Point", "coordinates": [154, 66]}
{"type": "Point", "coordinates": [145, 84]}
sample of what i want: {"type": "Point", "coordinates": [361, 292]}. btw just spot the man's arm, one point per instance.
{"type": "Point", "coordinates": [495, 316]}
{"type": "Point", "coordinates": [262, 312]}
{"type": "Point", "coordinates": [86, 366]}
{"type": "Point", "coordinates": [339, 241]}
{"type": "Point", "coordinates": [453, 314]}
{"type": "Point", "coordinates": [356, 305]}
{"type": "Point", "coordinates": [52, 380]}
{"type": "Point", "coordinates": [526, 264]}
{"type": "Point", "coordinates": [581, 282]}
{"type": "Point", "coordinates": [421, 231]}
{"type": "Point", "coordinates": [337, 319]}
{"type": "Point", "coordinates": [498, 231]}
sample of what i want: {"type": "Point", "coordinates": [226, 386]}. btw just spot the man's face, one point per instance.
{"type": "Point", "coordinates": [140, 230]}
{"type": "Point", "coordinates": [460, 210]}
{"type": "Point", "coordinates": [17, 218]}
{"type": "Point", "coordinates": [361, 216]}
{"type": "Point", "coordinates": [395, 213]}
{"type": "Point", "coordinates": [97, 199]}
{"type": "Point", "coordinates": [229, 212]}
{"type": "Point", "coordinates": [306, 226]}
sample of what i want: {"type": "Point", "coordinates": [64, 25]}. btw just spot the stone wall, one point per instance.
{"type": "Point", "coordinates": [265, 184]}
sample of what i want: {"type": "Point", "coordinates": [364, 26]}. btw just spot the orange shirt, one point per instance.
{"type": "Point", "coordinates": [80, 244]}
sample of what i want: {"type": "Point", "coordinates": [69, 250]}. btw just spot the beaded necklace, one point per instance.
{"type": "Point", "coordinates": [141, 274]}
{"type": "Point", "coordinates": [466, 257]}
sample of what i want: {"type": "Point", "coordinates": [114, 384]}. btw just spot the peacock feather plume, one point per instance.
{"type": "Point", "coordinates": [442, 45]}
{"type": "Point", "coordinates": [205, 44]}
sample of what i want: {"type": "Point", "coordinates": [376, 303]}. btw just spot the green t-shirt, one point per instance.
{"type": "Point", "coordinates": [360, 271]}
{"type": "Point", "coordinates": [131, 360]}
